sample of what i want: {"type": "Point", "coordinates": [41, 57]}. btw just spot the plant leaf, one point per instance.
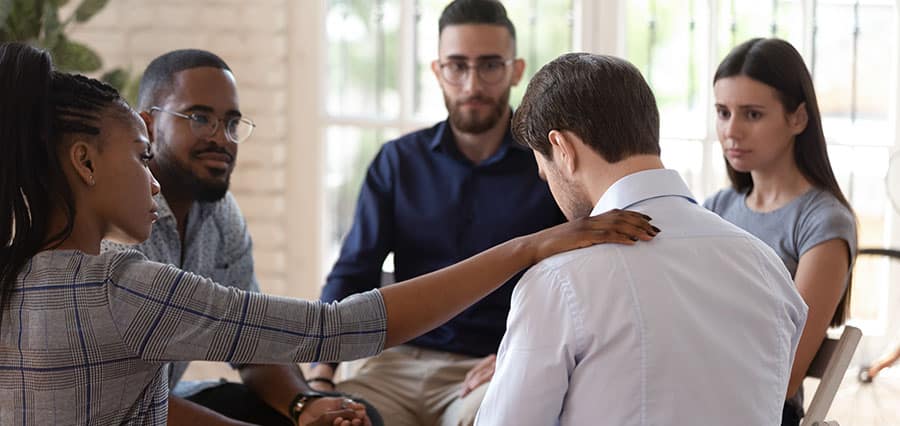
{"type": "Point", "coordinates": [53, 30]}
{"type": "Point", "coordinates": [23, 21]}
{"type": "Point", "coordinates": [88, 8]}
{"type": "Point", "coordinates": [75, 57]}
{"type": "Point", "coordinates": [6, 7]}
{"type": "Point", "coordinates": [117, 78]}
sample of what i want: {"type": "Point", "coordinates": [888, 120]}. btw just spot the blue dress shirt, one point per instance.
{"type": "Point", "coordinates": [432, 207]}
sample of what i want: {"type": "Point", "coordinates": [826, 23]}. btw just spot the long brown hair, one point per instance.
{"type": "Point", "coordinates": [775, 63]}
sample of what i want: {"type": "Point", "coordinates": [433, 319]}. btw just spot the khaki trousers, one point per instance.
{"type": "Point", "coordinates": [412, 386]}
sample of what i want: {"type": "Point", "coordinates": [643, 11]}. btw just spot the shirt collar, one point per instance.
{"type": "Point", "coordinates": [642, 186]}
{"type": "Point", "coordinates": [443, 141]}
{"type": "Point", "coordinates": [162, 206]}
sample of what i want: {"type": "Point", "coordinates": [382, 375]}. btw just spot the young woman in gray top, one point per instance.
{"type": "Point", "coordinates": [783, 189]}
{"type": "Point", "coordinates": [84, 337]}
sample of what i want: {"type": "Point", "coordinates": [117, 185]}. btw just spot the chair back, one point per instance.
{"type": "Point", "coordinates": [829, 366]}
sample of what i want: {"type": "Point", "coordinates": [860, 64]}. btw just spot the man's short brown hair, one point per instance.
{"type": "Point", "coordinates": [602, 99]}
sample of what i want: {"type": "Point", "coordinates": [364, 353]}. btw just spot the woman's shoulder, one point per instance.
{"type": "Point", "coordinates": [823, 217]}
{"type": "Point", "coordinates": [821, 204]}
{"type": "Point", "coordinates": [119, 265]}
{"type": "Point", "coordinates": [723, 199]}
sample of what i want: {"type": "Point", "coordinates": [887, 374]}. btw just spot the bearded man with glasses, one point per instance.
{"type": "Point", "coordinates": [436, 196]}
{"type": "Point", "coordinates": [189, 102]}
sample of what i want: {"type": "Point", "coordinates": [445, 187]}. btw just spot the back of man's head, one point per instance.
{"type": "Point", "coordinates": [474, 12]}
{"type": "Point", "coordinates": [602, 99]}
{"type": "Point", "coordinates": [157, 80]}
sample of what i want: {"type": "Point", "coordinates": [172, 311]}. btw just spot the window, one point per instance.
{"type": "Point", "coordinates": [849, 48]}
{"type": "Point", "coordinates": [380, 84]}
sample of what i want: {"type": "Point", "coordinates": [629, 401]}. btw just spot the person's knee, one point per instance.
{"type": "Point", "coordinates": [463, 411]}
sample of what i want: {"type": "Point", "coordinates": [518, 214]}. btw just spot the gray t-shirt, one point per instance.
{"type": "Point", "coordinates": [807, 221]}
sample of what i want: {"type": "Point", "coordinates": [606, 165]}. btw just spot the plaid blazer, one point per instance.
{"type": "Point", "coordinates": [85, 339]}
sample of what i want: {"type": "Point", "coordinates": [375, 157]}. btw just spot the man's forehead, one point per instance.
{"type": "Point", "coordinates": [475, 40]}
{"type": "Point", "coordinates": [206, 86]}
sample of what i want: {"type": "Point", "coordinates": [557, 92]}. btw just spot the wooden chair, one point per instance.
{"type": "Point", "coordinates": [829, 366]}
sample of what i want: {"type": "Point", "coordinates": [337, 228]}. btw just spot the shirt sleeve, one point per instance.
{"type": "Point", "coordinates": [824, 220]}
{"type": "Point", "coordinates": [537, 354]}
{"type": "Point", "coordinates": [370, 239]}
{"type": "Point", "coordinates": [166, 314]}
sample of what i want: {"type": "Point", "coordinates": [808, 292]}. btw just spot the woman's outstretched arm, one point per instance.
{"type": "Point", "coordinates": [418, 305]}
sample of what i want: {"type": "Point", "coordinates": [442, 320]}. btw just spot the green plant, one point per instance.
{"type": "Point", "coordinates": [38, 22]}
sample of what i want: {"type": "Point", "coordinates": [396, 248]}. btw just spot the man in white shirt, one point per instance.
{"type": "Point", "coordinates": [697, 327]}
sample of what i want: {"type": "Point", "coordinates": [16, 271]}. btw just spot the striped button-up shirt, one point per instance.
{"type": "Point", "coordinates": [85, 339]}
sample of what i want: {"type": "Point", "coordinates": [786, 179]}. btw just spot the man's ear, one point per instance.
{"type": "Point", "coordinates": [563, 145]}
{"type": "Point", "coordinates": [148, 121]}
{"type": "Point", "coordinates": [82, 156]}
{"type": "Point", "coordinates": [518, 70]}
{"type": "Point", "coordinates": [436, 70]}
{"type": "Point", "coordinates": [799, 119]}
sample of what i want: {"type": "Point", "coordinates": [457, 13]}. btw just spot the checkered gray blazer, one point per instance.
{"type": "Point", "coordinates": [84, 339]}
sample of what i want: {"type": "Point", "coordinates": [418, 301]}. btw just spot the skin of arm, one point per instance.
{"type": "Point", "coordinates": [187, 413]}
{"type": "Point", "coordinates": [820, 279]}
{"type": "Point", "coordinates": [425, 302]}
{"type": "Point", "coordinates": [276, 385]}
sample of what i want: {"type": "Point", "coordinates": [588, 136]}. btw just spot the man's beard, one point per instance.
{"type": "Point", "coordinates": [472, 123]}
{"type": "Point", "coordinates": [201, 190]}
{"type": "Point", "coordinates": [571, 197]}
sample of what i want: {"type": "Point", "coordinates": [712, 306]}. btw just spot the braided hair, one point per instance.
{"type": "Point", "coordinates": [39, 108]}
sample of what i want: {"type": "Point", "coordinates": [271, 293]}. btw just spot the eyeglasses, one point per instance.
{"type": "Point", "coordinates": [490, 71]}
{"type": "Point", "coordinates": [237, 129]}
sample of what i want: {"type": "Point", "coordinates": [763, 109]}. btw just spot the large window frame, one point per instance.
{"type": "Point", "coordinates": [597, 26]}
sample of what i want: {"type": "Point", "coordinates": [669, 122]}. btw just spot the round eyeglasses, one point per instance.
{"type": "Point", "coordinates": [203, 125]}
{"type": "Point", "coordinates": [490, 71]}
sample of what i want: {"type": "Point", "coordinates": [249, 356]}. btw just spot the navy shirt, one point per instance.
{"type": "Point", "coordinates": [423, 200]}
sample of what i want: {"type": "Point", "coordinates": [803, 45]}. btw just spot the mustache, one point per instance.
{"type": "Point", "coordinates": [215, 149]}
{"type": "Point", "coordinates": [478, 98]}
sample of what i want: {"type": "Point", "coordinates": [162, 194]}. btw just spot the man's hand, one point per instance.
{"type": "Point", "coordinates": [321, 371]}
{"type": "Point", "coordinates": [337, 411]}
{"type": "Point", "coordinates": [479, 375]}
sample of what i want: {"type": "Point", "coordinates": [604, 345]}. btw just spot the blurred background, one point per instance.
{"type": "Point", "coordinates": [329, 81]}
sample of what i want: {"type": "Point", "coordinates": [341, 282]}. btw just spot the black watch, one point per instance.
{"type": "Point", "coordinates": [301, 401]}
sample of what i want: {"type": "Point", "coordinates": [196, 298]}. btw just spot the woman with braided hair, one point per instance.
{"type": "Point", "coordinates": [84, 336]}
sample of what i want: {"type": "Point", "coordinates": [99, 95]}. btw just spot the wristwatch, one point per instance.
{"type": "Point", "coordinates": [301, 401]}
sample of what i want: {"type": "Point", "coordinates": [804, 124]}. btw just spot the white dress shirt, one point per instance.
{"type": "Point", "coordinates": [697, 327]}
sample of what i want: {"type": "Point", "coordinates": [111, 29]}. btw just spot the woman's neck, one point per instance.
{"type": "Point", "coordinates": [776, 186]}
{"type": "Point", "coordinates": [85, 236]}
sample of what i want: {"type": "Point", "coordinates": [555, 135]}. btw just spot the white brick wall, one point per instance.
{"type": "Point", "coordinates": [254, 38]}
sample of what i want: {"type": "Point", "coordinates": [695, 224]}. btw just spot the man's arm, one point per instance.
{"type": "Point", "coordinates": [536, 355]}
{"type": "Point", "coordinates": [367, 244]}
{"type": "Point", "coordinates": [187, 413]}
{"type": "Point", "coordinates": [275, 384]}
{"type": "Point", "coordinates": [370, 238]}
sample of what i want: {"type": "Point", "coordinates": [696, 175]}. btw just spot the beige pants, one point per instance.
{"type": "Point", "coordinates": [411, 386]}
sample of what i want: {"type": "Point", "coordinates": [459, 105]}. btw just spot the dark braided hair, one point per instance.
{"type": "Point", "coordinates": [38, 109]}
